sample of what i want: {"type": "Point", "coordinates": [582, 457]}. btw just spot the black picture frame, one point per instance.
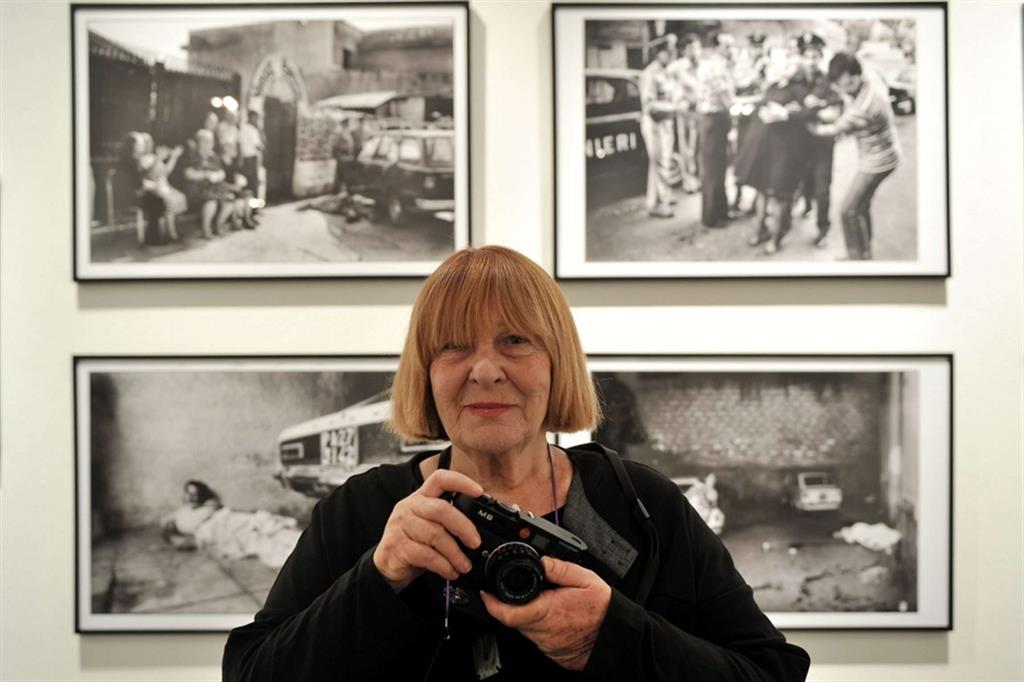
{"type": "Point", "coordinates": [140, 384]}
{"type": "Point", "coordinates": [602, 230]}
{"type": "Point", "coordinates": [759, 423]}
{"type": "Point", "coordinates": [268, 434]}
{"type": "Point", "coordinates": [420, 76]}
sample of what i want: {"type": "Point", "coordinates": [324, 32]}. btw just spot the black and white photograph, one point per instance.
{"type": "Point", "coordinates": [271, 141]}
{"type": "Point", "coordinates": [195, 477]}
{"type": "Point", "coordinates": [750, 141]}
{"type": "Point", "coordinates": [827, 478]}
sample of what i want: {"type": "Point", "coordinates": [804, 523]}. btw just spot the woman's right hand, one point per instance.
{"type": "Point", "coordinates": [420, 534]}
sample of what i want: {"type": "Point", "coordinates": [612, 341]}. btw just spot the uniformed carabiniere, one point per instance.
{"type": "Point", "coordinates": [657, 113]}
{"type": "Point", "coordinates": [822, 105]}
{"type": "Point", "coordinates": [715, 93]}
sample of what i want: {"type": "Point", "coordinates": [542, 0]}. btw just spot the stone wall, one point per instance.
{"type": "Point", "coordinates": [758, 426]}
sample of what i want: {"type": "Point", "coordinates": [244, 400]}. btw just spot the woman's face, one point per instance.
{"type": "Point", "coordinates": [492, 395]}
{"type": "Point", "coordinates": [192, 495]}
{"type": "Point", "coordinates": [205, 145]}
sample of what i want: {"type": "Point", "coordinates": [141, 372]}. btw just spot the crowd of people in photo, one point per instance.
{"type": "Point", "coordinates": [774, 115]}
{"type": "Point", "coordinates": [219, 178]}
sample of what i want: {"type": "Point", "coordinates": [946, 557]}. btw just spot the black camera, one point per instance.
{"type": "Point", "coordinates": [507, 562]}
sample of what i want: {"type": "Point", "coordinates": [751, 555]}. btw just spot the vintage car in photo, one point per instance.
{"type": "Point", "coordinates": [703, 497]}
{"type": "Point", "coordinates": [318, 455]}
{"type": "Point", "coordinates": [896, 69]}
{"type": "Point", "coordinates": [813, 491]}
{"type": "Point", "coordinates": [901, 96]}
{"type": "Point", "coordinates": [616, 164]}
{"type": "Point", "coordinates": [404, 173]}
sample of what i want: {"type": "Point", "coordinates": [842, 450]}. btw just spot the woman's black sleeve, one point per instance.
{"type": "Point", "coordinates": [713, 632]}
{"type": "Point", "coordinates": [330, 615]}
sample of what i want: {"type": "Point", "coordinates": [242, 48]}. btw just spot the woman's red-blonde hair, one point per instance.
{"type": "Point", "coordinates": [472, 287]}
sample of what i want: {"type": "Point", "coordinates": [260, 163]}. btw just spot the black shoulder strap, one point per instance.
{"type": "Point", "coordinates": [638, 509]}
{"type": "Point", "coordinates": [642, 517]}
{"type": "Point", "coordinates": [444, 460]}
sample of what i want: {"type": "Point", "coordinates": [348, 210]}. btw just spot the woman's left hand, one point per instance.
{"type": "Point", "coordinates": [562, 622]}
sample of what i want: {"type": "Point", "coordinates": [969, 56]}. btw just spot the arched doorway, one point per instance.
{"type": "Point", "coordinates": [279, 156]}
{"type": "Point", "coordinates": [279, 94]}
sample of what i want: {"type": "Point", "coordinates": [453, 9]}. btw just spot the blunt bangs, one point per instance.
{"type": "Point", "coordinates": [467, 301]}
{"type": "Point", "coordinates": [468, 291]}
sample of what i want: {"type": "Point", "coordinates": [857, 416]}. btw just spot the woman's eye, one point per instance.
{"type": "Point", "coordinates": [451, 346]}
{"type": "Point", "coordinates": [517, 344]}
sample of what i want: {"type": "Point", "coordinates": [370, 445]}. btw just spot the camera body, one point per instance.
{"type": "Point", "coordinates": [507, 562]}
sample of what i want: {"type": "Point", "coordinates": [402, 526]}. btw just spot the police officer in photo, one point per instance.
{"type": "Point", "coordinates": [656, 121]}
{"type": "Point", "coordinates": [683, 71]}
{"type": "Point", "coordinates": [716, 90]}
{"type": "Point", "coordinates": [822, 104]}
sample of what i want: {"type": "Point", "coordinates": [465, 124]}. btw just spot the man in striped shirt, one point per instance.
{"type": "Point", "coordinates": [869, 118]}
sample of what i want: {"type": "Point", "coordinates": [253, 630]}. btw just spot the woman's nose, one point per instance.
{"type": "Point", "coordinates": [486, 367]}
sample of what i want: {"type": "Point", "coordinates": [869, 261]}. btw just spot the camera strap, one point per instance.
{"type": "Point", "coordinates": [642, 517]}
{"type": "Point", "coordinates": [486, 657]}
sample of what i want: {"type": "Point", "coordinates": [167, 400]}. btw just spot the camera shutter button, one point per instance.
{"type": "Point", "coordinates": [510, 508]}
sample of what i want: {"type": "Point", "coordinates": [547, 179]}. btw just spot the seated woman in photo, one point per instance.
{"type": "Point", "coordinates": [207, 188]}
{"type": "Point", "coordinates": [154, 167]}
{"type": "Point", "coordinates": [180, 526]}
{"type": "Point", "coordinates": [148, 168]}
{"type": "Point", "coordinates": [202, 522]}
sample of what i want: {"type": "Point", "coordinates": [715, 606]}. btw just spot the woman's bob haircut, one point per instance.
{"type": "Point", "coordinates": [471, 288]}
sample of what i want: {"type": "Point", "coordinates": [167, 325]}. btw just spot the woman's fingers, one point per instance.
{"type": "Point", "coordinates": [422, 531]}
{"type": "Point", "coordinates": [445, 480]}
{"type": "Point", "coordinates": [431, 560]}
{"type": "Point", "coordinates": [435, 537]}
{"type": "Point", "coordinates": [451, 519]}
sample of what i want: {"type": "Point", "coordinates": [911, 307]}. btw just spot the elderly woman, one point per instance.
{"type": "Point", "coordinates": [207, 188]}
{"type": "Point", "coordinates": [774, 157]}
{"type": "Point", "coordinates": [493, 363]}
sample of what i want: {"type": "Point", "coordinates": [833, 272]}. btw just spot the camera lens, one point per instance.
{"type": "Point", "coordinates": [514, 573]}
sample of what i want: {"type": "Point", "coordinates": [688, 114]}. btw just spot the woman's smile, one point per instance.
{"type": "Point", "coordinates": [489, 409]}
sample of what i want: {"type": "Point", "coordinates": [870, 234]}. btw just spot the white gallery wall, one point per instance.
{"type": "Point", "coordinates": [976, 314]}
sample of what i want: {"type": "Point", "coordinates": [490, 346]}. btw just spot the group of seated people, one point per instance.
{"type": "Point", "coordinates": [220, 175]}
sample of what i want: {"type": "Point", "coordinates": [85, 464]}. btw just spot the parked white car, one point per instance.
{"type": "Point", "coordinates": [814, 491]}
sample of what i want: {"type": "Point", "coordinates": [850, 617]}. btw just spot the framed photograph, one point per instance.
{"type": "Point", "coordinates": [269, 141]}
{"type": "Point", "coordinates": [828, 478]}
{"type": "Point", "coordinates": [195, 476]}
{"type": "Point", "coordinates": [751, 140]}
